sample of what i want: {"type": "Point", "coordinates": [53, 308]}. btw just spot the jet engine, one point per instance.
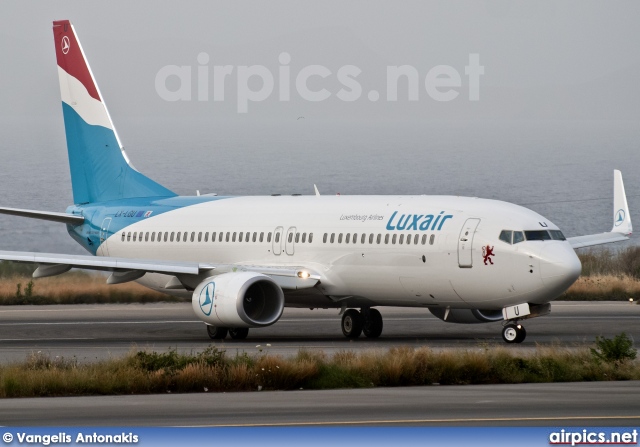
{"type": "Point", "coordinates": [238, 300]}
{"type": "Point", "coordinates": [467, 316]}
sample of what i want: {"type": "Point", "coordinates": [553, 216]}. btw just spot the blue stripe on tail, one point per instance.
{"type": "Point", "coordinates": [99, 171]}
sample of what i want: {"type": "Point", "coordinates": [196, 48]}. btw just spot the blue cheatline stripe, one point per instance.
{"type": "Point", "coordinates": [99, 172]}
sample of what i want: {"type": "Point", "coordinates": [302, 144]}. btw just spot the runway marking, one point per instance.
{"type": "Point", "coordinates": [93, 309]}
{"type": "Point", "coordinates": [46, 339]}
{"type": "Point", "coordinates": [422, 421]}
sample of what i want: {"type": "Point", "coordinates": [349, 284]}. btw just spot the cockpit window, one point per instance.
{"type": "Point", "coordinates": [557, 235]}
{"type": "Point", "coordinates": [518, 236]}
{"type": "Point", "coordinates": [537, 235]}
{"type": "Point", "coordinates": [505, 236]}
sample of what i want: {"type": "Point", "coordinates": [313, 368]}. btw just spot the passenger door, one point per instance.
{"type": "Point", "coordinates": [465, 243]}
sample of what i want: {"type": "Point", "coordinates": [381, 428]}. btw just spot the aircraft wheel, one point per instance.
{"type": "Point", "coordinates": [352, 323]}
{"type": "Point", "coordinates": [514, 333]}
{"type": "Point", "coordinates": [373, 324]}
{"type": "Point", "coordinates": [217, 333]}
{"type": "Point", "coordinates": [239, 333]}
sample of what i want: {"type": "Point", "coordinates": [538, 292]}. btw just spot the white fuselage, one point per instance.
{"type": "Point", "coordinates": [369, 250]}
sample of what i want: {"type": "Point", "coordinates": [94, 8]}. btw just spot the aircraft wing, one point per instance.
{"type": "Point", "coordinates": [622, 227]}
{"type": "Point", "coordinates": [126, 269]}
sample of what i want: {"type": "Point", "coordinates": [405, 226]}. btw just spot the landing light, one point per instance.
{"type": "Point", "coordinates": [303, 275]}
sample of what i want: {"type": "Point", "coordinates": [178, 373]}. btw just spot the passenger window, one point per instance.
{"type": "Point", "coordinates": [184, 237]}
{"type": "Point", "coordinates": [431, 239]}
{"type": "Point", "coordinates": [557, 235]}
{"type": "Point", "coordinates": [233, 238]}
{"type": "Point", "coordinates": [228, 236]}
{"type": "Point", "coordinates": [304, 237]}
{"type": "Point", "coordinates": [518, 236]}
{"type": "Point", "coordinates": [363, 238]}
{"type": "Point", "coordinates": [424, 239]}
{"type": "Point", "coordinates": [297, 237]}
{"type": "Point", "coordinates": [355, 237]}
{"type": "Point", "coordinates": [277, 237]}
{"type": "Point", "coordinates": [123, 236]}
{"type": "Point", "coordinates": [199, 236]}
{"type": "Point", "coordinates": [347, 238]}
{"type": "Point", "coordinates": [166, 236]}
{"type": "Point", "coordinates": [324, 238]}
{"type": "Point", "coordinates": [193, 236]}
{"type": "Point", "coordinates": [206, 236]}
{"type": "Point", "coordinates": [393, 239]}
{"type": "Point", "coordinates": [371, 238]}
{"type": "Point", "coordinates": [269, 237]}
{"type": "Point", "coordinates": [290, 238]}
{"type": "Point", "coordinates": [378, 238]}
{"type": "Point", "coordinates": [239, 237]}
{"type": "Point", "coordinates": [146, 237]}
{"type": "Point", "coordinates": [386, 238]}
{"type": "Point", "coordinates": [261, 236]}
{"type": "Point", "coordinates": [134, 236]}
{"type": "Point", "coordinates": [310, 237]}
{"type": "Point", "coordinates": [415, 239]}
{"type": "Point", "coordinates": [333, 237]}
{"type": "Point", "coordinates": [213, 236]}
{"type": "Point", "coordinates": [177, 237]}
{"type": "Point", "coordinates": [255, 236]}
{"type": "Point", "coordinates": [408, 239]}
{"type": "Point", "coordinates": [153, 236]}
{"type": "Point", "coordinates": [401, 239]}
{"type": "Point", "coordinates": [172, 235]}
{"type": "Point", "coordinates": [505, 236]}
{"type": "Point", "coordinates": [340, 238]}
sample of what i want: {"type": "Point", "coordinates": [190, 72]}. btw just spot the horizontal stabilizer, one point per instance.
{"type": "Point", "coordinates": [71, 219]}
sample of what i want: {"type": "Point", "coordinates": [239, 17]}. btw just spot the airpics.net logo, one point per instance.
{"type": "Point", "coordinates": [257, 83]}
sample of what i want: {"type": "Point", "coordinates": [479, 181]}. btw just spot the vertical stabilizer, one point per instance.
{"type": "Point", "coordinates": [100, 169]}
{"type": "Point", "coordinates": [621, 217]}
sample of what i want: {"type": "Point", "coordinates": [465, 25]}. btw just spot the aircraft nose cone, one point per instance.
{"type": "Point", "coordinates": [559, 267]}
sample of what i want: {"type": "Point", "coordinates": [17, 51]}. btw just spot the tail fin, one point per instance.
{"type": "Point", "coordinates": [100, 169]}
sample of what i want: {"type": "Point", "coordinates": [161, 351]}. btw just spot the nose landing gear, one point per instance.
{"type": "Point", "coordinates": [514, 333]}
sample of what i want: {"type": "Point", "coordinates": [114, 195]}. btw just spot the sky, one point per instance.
{"type": "Point", "coordinates": [555, 109]}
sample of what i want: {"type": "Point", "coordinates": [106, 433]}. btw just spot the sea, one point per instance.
{"type": "Point", "coordinates": [561, 169]}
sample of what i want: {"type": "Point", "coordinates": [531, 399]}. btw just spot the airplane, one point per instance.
{"type": "Point", "coordinates": [242, 260]}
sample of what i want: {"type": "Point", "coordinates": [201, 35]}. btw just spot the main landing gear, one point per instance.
{"type": "Point", "coordinates": [514, 332]}
{"type": "Point", "coordinates": [220, 333]}
{"type": "Point", "coordinates": [367, 321]}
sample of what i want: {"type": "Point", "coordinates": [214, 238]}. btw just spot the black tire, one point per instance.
{"type": "Point", "coordinates": [373, 325]}
{"type": "Point", "coordinates": [239, 333]}
{"type": "Point", "coordinates": [352, 323]}
{"type": "Point", "coordinates": [510, 333]}
{"type": "Point", "coordinates": [522, 333]}
{"type": "Point", "coordinates": [217, 333]}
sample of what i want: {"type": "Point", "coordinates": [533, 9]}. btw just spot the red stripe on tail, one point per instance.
{"type": "Point", "coordinates": [70, 58]}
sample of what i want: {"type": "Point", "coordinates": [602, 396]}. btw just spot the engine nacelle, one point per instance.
{"type": "Point", "coordinates": [239, 299]}
{"type": "Point", "coordinates": [467, 316]}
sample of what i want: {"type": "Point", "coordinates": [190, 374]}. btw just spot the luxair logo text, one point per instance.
{"type": "Point", "coordinates": [417, 222]}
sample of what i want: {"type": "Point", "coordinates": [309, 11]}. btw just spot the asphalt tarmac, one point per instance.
{"type": "Point", "coordinates": [91, 332]}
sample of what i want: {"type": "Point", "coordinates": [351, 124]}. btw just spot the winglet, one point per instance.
{"type": "Point", "coordinates": [621, 216]}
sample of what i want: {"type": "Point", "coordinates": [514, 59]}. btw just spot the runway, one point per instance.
{"type": "Point", "coordinates": [556, 404]}
{"type": "Point", "coordinates": [91, 332]}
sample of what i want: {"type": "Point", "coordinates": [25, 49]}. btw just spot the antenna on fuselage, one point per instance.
{"type": "Point", "coordinates": [316, 190]}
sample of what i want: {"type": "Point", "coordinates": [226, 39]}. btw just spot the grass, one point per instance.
{"type": "Point", "coordinates": [76, 287]}
{"type": "Point", "coordinates": [212, 370]}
